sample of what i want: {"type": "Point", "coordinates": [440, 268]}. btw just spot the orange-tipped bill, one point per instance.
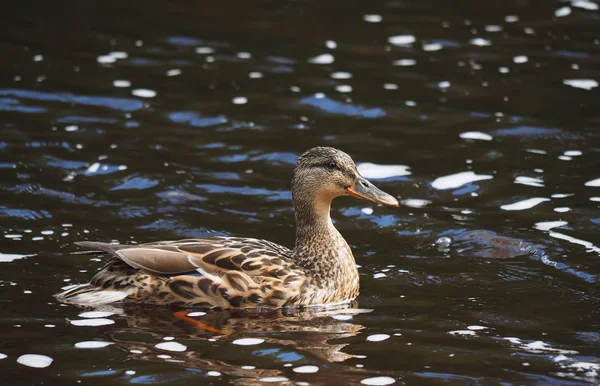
{"type": "Point", "coordinates": [367, 191]}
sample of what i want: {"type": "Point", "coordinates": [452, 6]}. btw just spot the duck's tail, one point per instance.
{"type": "Point", "coordinates": [88, 294]}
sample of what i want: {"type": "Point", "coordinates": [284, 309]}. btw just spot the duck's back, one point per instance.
{"type": "Point", "coordinates": [210, 272]}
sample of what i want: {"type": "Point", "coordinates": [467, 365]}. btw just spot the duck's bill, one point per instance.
{"type": "Point", "coordinates": [367, 191]}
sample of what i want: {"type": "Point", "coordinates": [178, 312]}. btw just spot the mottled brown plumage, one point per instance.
{"type": "Point", "coordinates": [234, 272]}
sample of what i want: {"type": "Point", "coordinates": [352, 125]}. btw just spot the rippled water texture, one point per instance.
{"type": "Point", "coordinates": [139, 121]}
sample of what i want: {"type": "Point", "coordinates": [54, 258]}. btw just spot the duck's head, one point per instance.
{"type": "Point", "coordinates": [324, 173]}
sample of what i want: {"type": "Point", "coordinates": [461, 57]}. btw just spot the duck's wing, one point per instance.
{"type": "Point", "coordinates": [213, 256]}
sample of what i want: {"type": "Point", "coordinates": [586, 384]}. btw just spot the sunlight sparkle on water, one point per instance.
{"type": "Point", "coordinates": [143, 93]}
{"type": "Point", "coordinates": [378, 381]}
{"type": "Point", "coordinates": [35, 360]}
{"type": "Point", "coordinates": [92, 322]}
{"type": "Point", "coordinates": [171, 346]}
{"type": "Point", "coordinates": [377, 337]}
{"type": "Point", "coordinates": [8, 257]}
{"type": "Point", "coordinates": [547, 225]}
{"type": "Point", "coordinates": [586, 84]}
{"type": "Point", "coordinates": [404, 62]}
{"type": "Point", "coordinates": [248, 341]}
{"type": "Point", "coordinates": [96, 314]}
{"type": "Point", "coordinates": [594, 183]}
{"type": "Point", "coordinates": [402, 40]}
{"type": "Point", "coordinates": [525, 204]}
{"type": "Point", "coordinates": [306, 369]}
{"type": "Point", "coordinates": [476, 135]}
{"type": "Point", "coordinates": [371, 170]}
{"type": "Point", "coordinates": [459, 179]}
{"type": "Point", "coordinates": [322, 59]}
{"type": "Point", "coordinates": [92, 344]}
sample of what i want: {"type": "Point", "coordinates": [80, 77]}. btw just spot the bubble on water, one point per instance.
{"type": "Point", "coordinates": [248, 341]}
{"type": "Point", "coordinates": [171, 346]}
{"type": "Point", "coordinates": [378, 381]}
{"type": "Point", "coordinates": [322, 59]}
{"type": "Point", "coordinates": [525, 204]}
{"type": "Point", "coordinates": [443, 242]}
{"type": "Point", "coordinates": [92, 322]}
{"type": "Point", "coordinates": [402, 40]}
{"type": "Point", "coordinates": [459, 179]}
{"type": "Point", "coordinates": [306, 369]}
{"type": "Point", "coordinates": [92, 344]}
{"type": "Point", "coordinates": [377, 337]}
{"type": "Point", "coordinates": [476, 135]}
{"type": "Point", "coordinates": [35, 360]}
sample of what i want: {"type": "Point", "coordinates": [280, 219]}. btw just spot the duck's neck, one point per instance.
{"type": "Point", "coordinates": [321, 250]}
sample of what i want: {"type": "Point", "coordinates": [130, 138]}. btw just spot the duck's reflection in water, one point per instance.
{"type": "Point", "coordinates": [209, 337]}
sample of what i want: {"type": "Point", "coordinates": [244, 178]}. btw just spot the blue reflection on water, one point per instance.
{"type": "Point", "coordinates": [334, 107]}
{"type": "Point", "coordinates": [121, 104]}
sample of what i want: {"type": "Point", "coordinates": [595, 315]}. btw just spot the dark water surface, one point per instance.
{"type": "Point", "coordinates": [138, 121]}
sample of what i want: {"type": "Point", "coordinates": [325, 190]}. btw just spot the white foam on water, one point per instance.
{"type": "Point", "coordinates": [462, 332]}
{"type": "Point", "coordinates": [459, 179]}
{"type": "Point", "coordinates": [171, 346]}
{"type": "Point", "coordinates": [415, 202]}
{"type": "Point", "coordinates": [213, 374]}
{"type": "Point", "coordinates": [273, 379]}
{"type": "Point", "coordinates": [35, 360]}
{"type": "Point", "coordinates": [531, 181]}
{"type": "Point", "coordinates": [547, 225]}
{"type": "Point", "coordinates": [367, 210]}
{"type": "Point", "coordinates": [377, 337]}
{"type": "Point", "coordinates": [248, 341]}
{"type": "Point", "coordinates": [371, 170]}
{"type": "Point", "coordinates": [593, 183]}
{"type": "Point", "coordinates": [92, 322]}
{"type": "Point", "coordinates": [322, 59]}
{"type": "Point", "coordinates": [586, 84]}
{"type": "Point", "coordinates": [8, 257]}
{"type": "Point", "coordinates": [525, 204]}
{"type": "Point", "coordinates": [402, 40]}
{"type": "Point", "coordinates": [306, 369]}
{"type": "Point", "coordinates": [96, 314]}
{"type": "Point", "coordinates": [92, 344]}
{"type": "Point", "coordinates": [562, 11]}
{"type": "Point", "coordinates": [197, 313]}
{"type": "Point", "coordinates": [476, 135]}
{"type": "Point", "coordinates": [239, 100]}
{"type": "Point", "coordinates": [143, 93]}
{"type": "Point", "coordinates": [378, 381]}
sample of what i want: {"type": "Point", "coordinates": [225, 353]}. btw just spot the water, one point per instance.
{"type": "Point", "coordinates": [145, 121]}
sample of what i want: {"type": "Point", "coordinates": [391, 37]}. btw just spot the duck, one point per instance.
{"type": "Point", "coordinates": [238, 272]}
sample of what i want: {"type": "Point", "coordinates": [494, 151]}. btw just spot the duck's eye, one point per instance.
{"type": "Point", "coordinates": [332, 165]}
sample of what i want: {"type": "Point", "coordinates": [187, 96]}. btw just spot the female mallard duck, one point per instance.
{"type": "Point", "coordinates": [237, 272]}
